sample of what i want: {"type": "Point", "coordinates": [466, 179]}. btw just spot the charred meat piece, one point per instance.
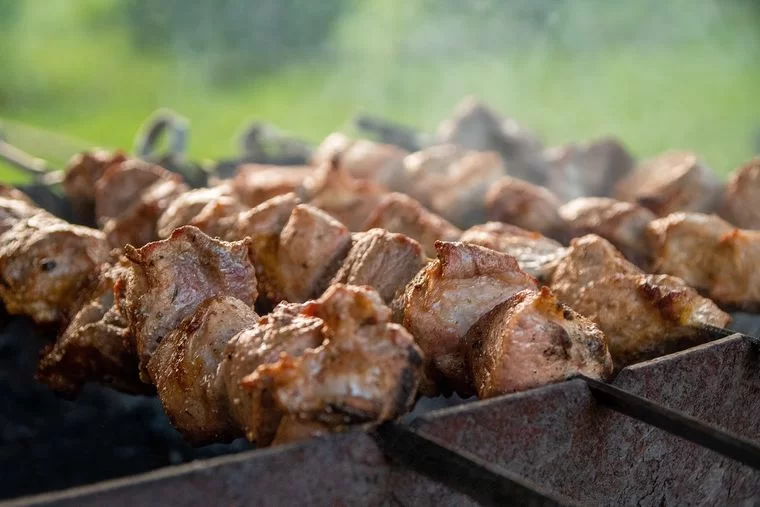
{"type": "Point", "coordinates": [82, 174]}
{"type": "Point", "coordinates": [167, 280]}
{"type": "Point", "coordinates": [337, 193]}
{"type": "Point", "coordinates": [536, 254]}
{"type": "Point", "coordinates": [710, 255]}
{"type": "Point", "coordinates": [383, 260]}
{"type": "Point", "coordinates": [742, 195]}
{"type": "Point", "coordinates": [137, 225]}
{"type": "Point", "coordinates": [365, 372]}
{"type": "Point", "coordinates": [531, 340]}
{"type": "Point", "coordinates": [213, 210]}
{"type": "Point", "coordinates": [47, 266]}
{"type": "Point", "coordinates": [284, 331]}
{"type": "Point", "coordinates": [643, 316]}
{"type": "Point", "coordinates": [589, 169]}
{"type": "Point", "coordinates": [477, 127]}
{"type": "Point", "coordinates": [399, 213]}
{"type": "Point", "coordinates": [184, 369]}
{"type": "Point", "coordinates": [299, 263]}
{"type": "Point", "coordinates": [94, 347]}
{"type": "Point", "coordinates": [254, 184]}
{"type": "Point", "coordinates": [360, 158]}
{"type": "Point", "coordinates": [674, 181]}
{"type": "Point", "coordinates": [525, 205]}
{"type": "Point", "coordinates": [447, 297]}
{"type": "Point", "coordinates": [621, 223]}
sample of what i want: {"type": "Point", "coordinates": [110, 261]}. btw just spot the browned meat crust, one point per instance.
{"type": "Point", "coordinates": [14, 207]}
{"type": "Point", "coordinates": [254, 184]}
{"type": "Point", "coordinates": [213, 210]}
{"type": "Point", "coordinates": [360, 158]}
{"type": "Point", "coordinates": [531, 340]}
{"type": "Point", "coordinates": [739, 205]}
{"type": "Point", "coordinates": [82, 174]}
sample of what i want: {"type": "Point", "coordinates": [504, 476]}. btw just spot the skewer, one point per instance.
{"type": "Point", "coordinates": [391, 133]}
{"type": "Point", "coordinates": [720, 332]}
{"type": "Point", "coordinates": [675, 422]}
{"type": "Point", "coordinates": [22, 160]}
{"type": "Point", "coordinates": [484, 482]}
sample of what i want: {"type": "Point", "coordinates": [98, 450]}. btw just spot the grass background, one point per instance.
{"type": "Point", "coordinates": [685, 76]}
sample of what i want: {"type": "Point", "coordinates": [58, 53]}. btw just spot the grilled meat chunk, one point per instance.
{"type": "Point", "coordinates": [82, 174]}
{"type": "Point", "coordinates": [365, 372]}
{"type": "Point", "coordinates": [284, 331]}
{"type": "Point", "coordinates": [447, 297]}
{"type": "Point", "coordinates": [531, 340]}
{"type": "Point", "coordinates": [14, 207]}
{"type": "Point", "coordinates": [643, 316]}
{"type": "Point", "coordinates": [742, 194]}
{"type": "Point", "coordinates": [254, 184]}
{"type": "Point", "coordinates": [537, 255]}
{"type": "Point", "coordinates": [621, 223]}
{"type": "Point", "coordinates": [47, 266]}
{"type": "Point", "coordinates": [383, 260]}
{"type": "Point", "coordinates": [168, 279]}
{"type": "Point", "coordinates": [138, 225]}
{"type": "Point", "coordinates": [299, 263]}
{"type": "Point", "coordinates": [710, 255]}
{"type": "Point", "coordinates": [674, 181]}
{"type": "Point", "coordinates": [399, 213]}
{"type": "Point", "coordinates": [184, 369]}
{"type": "Point", "coordinates": [213, 210]}
{"type": "Point", "coordinates": [360, 158]}
{"type": "Point", "coordinates": [8, 192]}
{"type": "Point", "coordinates": [525, 205]}
{"type": "Point", "coordinates": [96, 346]}
{"type": "Point", "coordinates": [334, 191]}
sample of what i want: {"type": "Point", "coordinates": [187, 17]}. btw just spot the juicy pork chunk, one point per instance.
{"type": "Point", "coordinates": [265, 220]}
{"type": "Point", "coordinates": [399, 213]}
{"type": "Point", "coordinates": [82, 174]}
{"type": "Point", "coordinates": [642, 315]}
{"type": "Point", "coordinates": [254, 184]}
{"type": "Point", "coordinates": [742, 195]}
{"type": "Point", "coordinates": [674, 181]}
{"type": "Point", "coordinates": [360, 158]}
{"type": "Point", "coordinates": [213, 210]}
{"type": "Point", "coordinates": [298, 264]}
{"type": "Point", "coordinates": [334, 191]}
{"type": "Point", "coordinates": [447, 297]}
{"type": "Point", "coordinates": [621, 223]}
{"type": "Point", "coordinates": [383, 260]}
{"type": "Point", "coordinates": [525, 205]}
{"type": "Point", "coordinates": [422, 172]}
{"type": "Point", "coordinates": [184, 369]}
{"type": "Point", "coordinates": [710, 255]}
{"type": "Point", "coordinates": [14, 208]}
{"type": "Point", "coordinates": [366, 370]}
{"type": "Point", "coordinates": [94, 347]}
{"type": "Point", "coordinates": [589, 169]}
{"type": "Point", "coordinates": [531, 340]}
{"type": "Point", "coordinates": [167, 280]}
{"type": "Point", "coordinates": [537, 255]}
{"type": "Point", "coordinates": [48, 265]}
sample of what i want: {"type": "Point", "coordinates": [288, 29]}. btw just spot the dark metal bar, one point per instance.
{"type": "Point", "coordinates": [676, 423]}
{"type": "Point", "coordinates": [22, 160]}
{"type": "Point", "coordinates": [391, 133]}
{"type": "Point", "coordinates": [485, 483]}
{"type": "Point", "coordinates": [721, 332]}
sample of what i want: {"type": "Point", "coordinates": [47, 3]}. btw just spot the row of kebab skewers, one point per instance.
{"type": "Point", "coordinates": [287, 302]}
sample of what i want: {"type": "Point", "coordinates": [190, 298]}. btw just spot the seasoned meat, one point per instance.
{"type": "Point", "coordinates": [674, 181]}
{"type": "Point", "coordinates": [525, 205]}
{"type": "Point", "coordinates": [254, 184]}
{"type": "Point", "coordinates": [48, 265]}
{"type": "Point", "coordinates": [422, 173]}
{"type": "Point", "coordinates": [360, 158]}
{"type": "Point", "coordinates": [298, 265]}
{"type": "Point", "coordinates": [184, 369]}
{"type": "Point", "coordinates": [284, 331]}
{"type": "Point", "coordinates": [621, 223]}
{"type": "Point", "coordinates": [531, 340]}
{"type": "Point", "coordinates": [399, 213]}
{"type": "Point", "coordinates": [710, 255]}
{"type": "Point", "coordinates": [167, 280]}
{"type": "Point", "coordinates": [122, 184]}
{"type": "Point", "coordinates": [448, 296]}
{"type": "Point", "coordinates": [537, 255]}
{"type": "Point", "coordinates": [13, 210]}
{"type": "Point", "coordinates": [348, 200]}
{"type": "Point", "coordinates": [137, 225]}
{"type": "Point", "coordinates": [643, 316]}
{"type": "Point", "coordinates": [292, 429]}
{"type": "Point", "coordinates": [267, 219]}
{"type": "Point", "coordinates": [739, 205]}
{"type": "Point", "coordinates": [204, 208]}
{"type": "Point", "coordinates": [94, 347]}
{"type": "Point", "coordinates": [383, 260]}
{"type": "Point", "coordinates": [82, 173]}
{"type": "Point", "coordinates": [588, 169]}
{"type": "Point", "coordinates": [366, 371]}
{"type": "Point", "coordinates": [477, 127]}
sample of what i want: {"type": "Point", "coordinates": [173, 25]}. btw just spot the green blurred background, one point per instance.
{"type": "Point", "coordinates": [659, 74]}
